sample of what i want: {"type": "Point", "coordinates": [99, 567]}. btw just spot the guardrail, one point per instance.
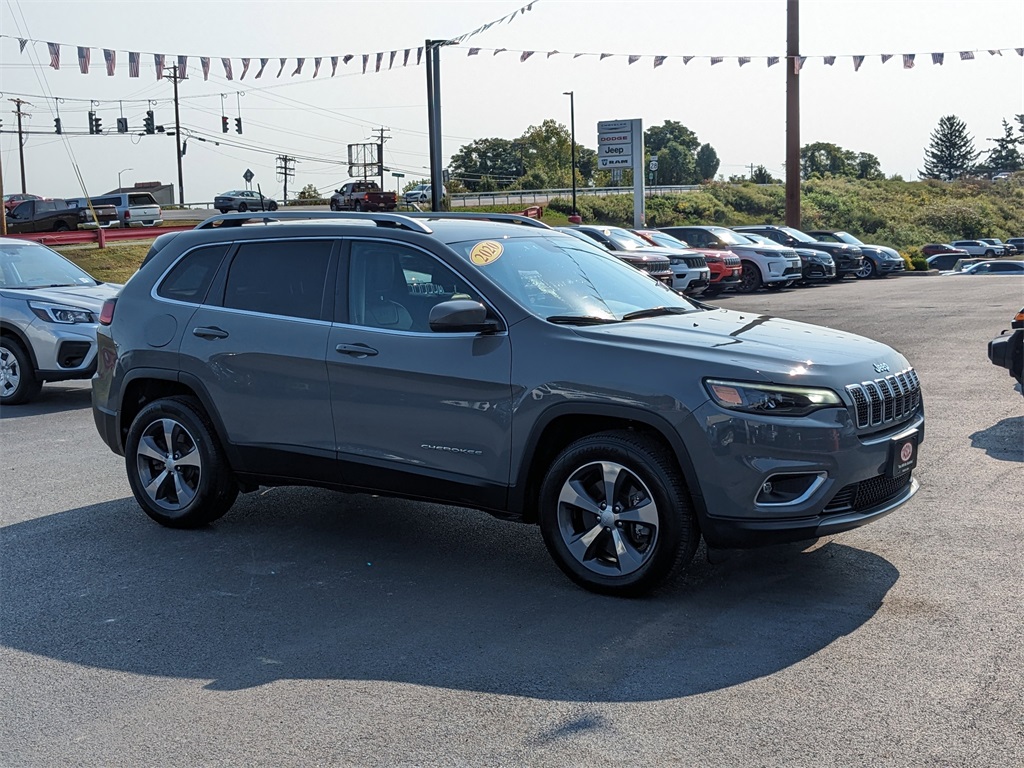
{"type": "Point", "coordinates": [101, 236]}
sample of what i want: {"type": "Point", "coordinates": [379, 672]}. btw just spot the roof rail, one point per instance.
{"type": "Point", "coordinates": [509, 218]}
{"type": "Point", "coordinates": [393, 220]}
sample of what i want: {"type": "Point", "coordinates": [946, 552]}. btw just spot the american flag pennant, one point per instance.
{"type": "Point", "coordinates": [83, 59]}
{"type": "Point", "coordinates": [525, 55]}
{"type": "Point", "coordinates": [316, 65]}
{"type": "Point", "coordinates": [245, 68]}
{"type": "Point", "coordinates": [551, 53]}
{"type": "Point", "coordinates": [886, 57]}
{"type": "Point", "coordinates": [366, 60]}
{"type": "Point", "coordinates": [473, 51]}
{"type": "Point", "coordinates": [204, 64]}
{"type": "Point", "coordinates": [496, 52]}
{"type": "Point", "coordinates": [419, 55]}
{"type": "Point", "coordinates": [830, 60]}
{"type": "Point", "coordinates": [133, 63]}
{"type": "Point", "coordinates": [634, 59]}
{"type": "Point", "coordinates": [334, 65]}
{"type": "Point", "coordinates": [391, 60]}
{"type": "Point", "coordinates": [298, 67]}
{"type": "Point", "coordinates": [380, 59]}
{"type": "Point", "coordinates": [908, 60]}
{"type": "Point", "coordinates": [22, 42]}
{"type": "Point", "coordinates": [798, 63]}
{"type": "Point", "coordinates": [743, 60]}
{"type": "Point", "coordinates": [512, 16]}
{"type": "Point", "coordinates": [658, 61]}
{"type": "Point", "coordinates": [183, 67]}
{"type": "Point", "coordinates": [687, 59]}
{"type": "Point", "coordinates": [966, 55]}
{"type": "Point", "coordinates": [405, 57]}
{"type": "Point", "coordinates": [283, 62]}
{"type": "Point", "coordinates": [577, 55]}
{"type": "Point", "coordinates": [158, 62]}
{"type": "Point", "coordinates": [773, 60]}
{"type": "Point", "coordinates": [110, 57]}
{"type": "Point", "coordinates": [1020, 51]}
{"type": "Point", "coordinates": [717, 60]}
{"type": "Point", "coordinates": [347, 58]}
{"type": "Point", "coordinates": [54, 49]}
{"type": "Point", "coordinates": [263, 65]}
{"type": "Point", "coordinates": [996, 52]}
{"type": "Point", "coordinates": [229, 73]}
{"type": "Point", "coordinates": [937, 58]}
{"type": "Point", "coordinates": [605, 56]}
{"type": "Point", "coordinates": [857, 61]}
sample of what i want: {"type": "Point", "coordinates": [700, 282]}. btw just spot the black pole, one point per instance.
{"type": "Point", "coordinates": [177, 137]}
{"type": "Point", "coordinates": [792, 114]}
{"type": "Point", "coordinates": [572, 133]}
{"type": "Point", "coordinates": [432, 51]}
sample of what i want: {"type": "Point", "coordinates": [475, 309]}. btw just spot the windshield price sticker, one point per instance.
{"type": "Point", "coordinates": [486, 252]}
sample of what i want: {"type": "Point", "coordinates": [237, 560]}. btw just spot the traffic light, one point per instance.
{"type": "Point", "coordinates": [223, 124]}
{"type": "Point", "coordinates": [92, 122]}
{"type": "Point", "coordinates": [56, 125]}
{"type": "Point", "coordinates": [238, 125]}
{"type": "Point", "coordinates": [122, 125]}
{"type": "Point", "coordinates": [150, 122]}
{"type": "Point", "coordinates": [97, 125]}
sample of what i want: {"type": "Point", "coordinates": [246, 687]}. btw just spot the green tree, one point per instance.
{"type": "Point", "coordinates": [548, 150]}
{"type": "Point", "coordinates": [950, 153]}
{"type": "Point", "coordinates": [1005, 156]}
{"type": "Point", "coordinates": [500, 159]}
{"type": "Point", "coordinates": [658, 137]}
{"type": "Point", "coordinates": [866, 166]}
{"type": "Point", "coordinates": [824, 159]}
{"type": "Point", "coordinates": [309, 192]}
{"type": "Point", "coordinates": [675, 165]}
{"type": "Point", "coordinates": [762, 176]}
{"type": "Point", "coordinates": [707, 162]}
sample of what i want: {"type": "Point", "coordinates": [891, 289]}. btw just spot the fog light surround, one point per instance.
{"type": "Point", "coordinates": [789, 488]}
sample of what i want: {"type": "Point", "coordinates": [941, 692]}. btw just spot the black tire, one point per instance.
{"type": "Point", "coordinates": [198, 464]}
{"type": "Point", "coordinates": [989, 253]}
{"type": "Point", "coordinates": [750, 280]}
{"type": "Point", "coordinates": [223, 210]}
{"type": "Point", "coordinates": [867, 270]}
{"type": "Point", "coordinates": [272, 206]}
{"type": "Point", "coordinates": [649, 480]}
{"type": "Point", "coordinates": [358, 206]}
{"type": "Point", "coordinates": [334, 206]}
{"type": "Point", "coordinates": [61, 226]}
{"type": "Point", "coordinates": [243, 207]}
{"type": "Point", "coordinates": [18, 382]}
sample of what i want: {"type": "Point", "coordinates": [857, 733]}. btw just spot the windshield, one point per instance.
{"type": "Point", "coordinates": [30, 265]}
{"type": "Point", "coordinates": [729, 237]}
{"type": "Point", "coordinates": [797, 235]}
{"type": "Point", "coordinates": [565, 280]}
{"type": "Point", "coordinates": [760, 239]}
{"type": "Point", "coordinates": [846, 237]}
{"type": "Point", "coordinates": [666, 241]}
{"type": "Point", "coordinates": [626, 240]}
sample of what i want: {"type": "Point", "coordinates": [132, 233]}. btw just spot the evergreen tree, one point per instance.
{"type": "Point", "coordinates": [951, 153]}
{"type": "Point", "coordinates": [762, 176]}
{"type": "Point", "coordinates": [1005, 156]}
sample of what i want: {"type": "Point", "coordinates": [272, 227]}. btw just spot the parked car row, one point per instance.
{"type": "Point", "coordinates": [32, 213]}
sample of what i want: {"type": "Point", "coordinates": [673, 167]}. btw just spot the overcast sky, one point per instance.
{"type": "Point", "coordinates": [883, 109]}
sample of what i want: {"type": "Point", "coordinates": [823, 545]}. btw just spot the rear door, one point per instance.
{"type": "Point", "coordinates": [258, 345]}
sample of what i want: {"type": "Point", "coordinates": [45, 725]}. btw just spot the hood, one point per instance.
{"type": "Point", "coordinates": [89, 297]}
{"type": "Point", "coordinates": [727, 343]}
{"type": "Point", "coordinates": [646, 256]}
{"type": "Point", "coordinates": [836, 249]}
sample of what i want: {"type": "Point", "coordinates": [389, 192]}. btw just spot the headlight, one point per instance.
{"type": "Point", "coordinates": [770, 399]}
{"type": "Point", "coordinates": [60, 313]}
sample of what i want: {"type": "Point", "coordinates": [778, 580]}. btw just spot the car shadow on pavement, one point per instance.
{"type": "Point", "coordinates": [52, 398]}
{"type": "Point", "coordinates": [307, 584]}
{"type": "Point", "coordinates": [1003, 440]}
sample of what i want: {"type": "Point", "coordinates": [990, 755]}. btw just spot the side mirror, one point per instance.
{"type": "Point", "coordinates": [461, 316]}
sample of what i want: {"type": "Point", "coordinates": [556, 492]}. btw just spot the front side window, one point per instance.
{"type": "Point", "coordinates": [279, 278]}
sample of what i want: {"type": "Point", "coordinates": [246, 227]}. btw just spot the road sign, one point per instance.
{"type": "Point", "coordinates": [398, 175]}
{"type": "Point", "coordinates": [615, 150]}
{"type": "Point", "coordinates": [615, 143]}
{"type": "Point", "coordinates": [248, 175]}
{"type": "Point", "coordinates": [654, 165]}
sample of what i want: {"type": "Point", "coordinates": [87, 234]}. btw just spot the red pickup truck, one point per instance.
{"type": "Point", "coordinates": [363, 196]}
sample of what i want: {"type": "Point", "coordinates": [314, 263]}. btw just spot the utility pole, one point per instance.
{"type": "Point", "coordinates": [285, 170]}
{"type": "Point", "coordinates": [177, 136]}
{"type": "Point", "coordinates": [433, 53]}
{"type": "Point", "coordinates": [381, 138]}
{"type": "Point", "coordinates": [21, 140]}
{"type": "Point", "coordinates": [792, 114]}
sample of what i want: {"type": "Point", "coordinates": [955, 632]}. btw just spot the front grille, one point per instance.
{"type": "Point", "coordinates": [657, 267]}
{"type": "Point", "coordinates": [732, 261]}
{"type": "Point", "coordinates": [894, 398]}
{"type": "Point", "coordinates": [866, 494]}
{"type": "Point", "coordinates": [695, 262]}
{"type": "Point", "coordinates": [793, 271]}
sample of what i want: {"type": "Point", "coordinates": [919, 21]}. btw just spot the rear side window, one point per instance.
{"type": "Point", "coordinates": [190, 279]}
{"type": "Point", "coordinates": [112, 200]}
{"type": "Point", "coordinates": [143, 199]}
{"type": "Point", "coordinates": [279, 278]}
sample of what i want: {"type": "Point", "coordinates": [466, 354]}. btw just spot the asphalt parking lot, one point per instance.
{"type": "Point", "coordinates": [314, 628]}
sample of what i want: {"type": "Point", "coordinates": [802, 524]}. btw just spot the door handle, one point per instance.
{"type": "Point", "coordinates": [210, 333]}
{"type": "Point", "coordinates": [356, 350]}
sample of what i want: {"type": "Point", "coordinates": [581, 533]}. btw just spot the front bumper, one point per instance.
{"type": "Point", "coordinates": [1007, 351]}
{"type": "Point", "coordinates": [63, 351]}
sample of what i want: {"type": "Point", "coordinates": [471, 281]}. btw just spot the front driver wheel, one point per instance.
{"type": "Point", "coordinates": [867, 270]}
{"type": "Point", "coordinates": [615, 514]}
{"type": "Point", "coordinates": [750, 281]}
{"type": "Point", "coordinates": [243, 207]}
{"type": "Point", "coordinates": [176, 467]}
{"type": "Point", "coordinates": [272, 206]}
{"type": "Point", "coordinates": [18, 382]}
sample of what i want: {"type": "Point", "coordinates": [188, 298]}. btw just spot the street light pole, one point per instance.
{"type": "Point", "coordinates": [575, 217]}
{"type": "Point", "coordinates": [119, 177]}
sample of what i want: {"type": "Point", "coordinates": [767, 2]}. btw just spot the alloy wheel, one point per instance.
{"type": "Point", "coordinates": [169, 464]}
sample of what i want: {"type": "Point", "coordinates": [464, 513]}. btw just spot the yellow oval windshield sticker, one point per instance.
{"type": "Point", "coordinates": [486, 252]}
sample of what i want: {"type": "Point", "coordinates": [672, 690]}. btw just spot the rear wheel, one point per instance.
{"type": "Point", "coordinates": [750, 280]}
{"type": "Point", "coordinates": [176, 467]}
{"type": "Point", "coordinates": [358, 206]}
{"type": "Point", "coordinates": [615, 514]}
{"type": "Point", "coordinates": [61, 226]}
{"type": "Point", "coordinates": [18, 382]}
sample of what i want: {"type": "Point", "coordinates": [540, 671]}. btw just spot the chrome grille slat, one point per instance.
{"type": "Point", "coordinates": [889, 399]}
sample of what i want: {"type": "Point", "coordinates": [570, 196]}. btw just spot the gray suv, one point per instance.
{"type": "Point", "coordinates": [491, 362]}
{"type": "Point", "coordinates": [48, 313]}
